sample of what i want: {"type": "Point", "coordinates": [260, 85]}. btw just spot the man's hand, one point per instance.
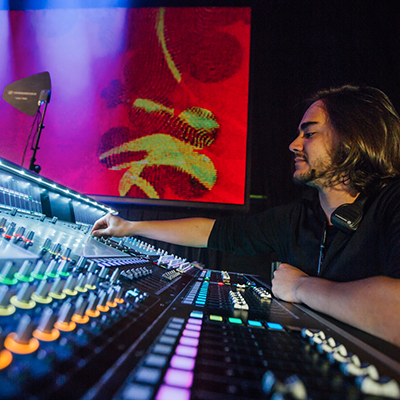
{"type": "Point", "coordinates": [110, 225]}
{"type": "Point", "coordinates": [286, 281]}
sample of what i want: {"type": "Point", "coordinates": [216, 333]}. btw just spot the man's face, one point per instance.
{"type": "Point", "coordinates": [312, 147]}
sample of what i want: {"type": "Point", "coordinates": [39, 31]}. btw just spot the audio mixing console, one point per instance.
{"type": "Point", "coordinates": [85, 318]}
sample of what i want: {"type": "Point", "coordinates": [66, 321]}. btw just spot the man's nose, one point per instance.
{"type": "Point", "coordinates": [296, 145]}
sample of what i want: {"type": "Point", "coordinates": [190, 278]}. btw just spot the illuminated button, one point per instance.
{"type": "Point", "coordinates": [167, 393]}
{"type": "Point", "coordinates": [174, 325]}
{"type": "Point", "coordinates": [195, 321]}
{"type": "Point", "coordinates": [196, 314]}
{"type": "Point", "coordinates": [156, 360]}
{"type": "Point", "coordinates": [162, 349]}
{"type": "Point", "coordinates": [147, 375]}
{"type": "Point", "coordinates": [217, 318]}
{"type": "Point", "coordinates": [136, 391]}
{"type": "Point", "coordinates": [236, 321]}
{"type": "Point", "coordinates": [187, 341]}
{"type": "Point", "coordinates": [193, 334]}
{"type": "Point", "coordinates": [167, 340]}
{"type": "Point", "coordinates": [185, 363]}
{"type": "Point", "coordinates": [177, 320]}
{"type": "Point", "coordinates": [193, 327]}
{"type": "Point", "coordinates": [186, 351]}
{"type": "Point", "coordinates": [257, 324]}
{"type": "Point", "coordinates": [179, 378]}
{"type": "Point", "coordinates": [274, 326]}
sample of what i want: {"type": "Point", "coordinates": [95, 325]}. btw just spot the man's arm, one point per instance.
{"type": "Point", "coordinates": [186, 232]}
{"type": "Point", "coordinates": [371, 304]}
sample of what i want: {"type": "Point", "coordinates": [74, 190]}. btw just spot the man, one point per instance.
{"type": "Point", "coordinates": [348, 149]}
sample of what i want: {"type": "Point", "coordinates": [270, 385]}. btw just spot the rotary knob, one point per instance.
{"type": "Point", "coordinates": [21, 341]}
{"type": "Point", "coordinates": [45, 330]}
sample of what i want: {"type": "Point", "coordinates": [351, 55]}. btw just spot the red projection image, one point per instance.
{"type": "Point", "coordinates": [146, 103]}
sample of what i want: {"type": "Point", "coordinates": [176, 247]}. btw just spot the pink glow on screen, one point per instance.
{"type": "Point", "coordinates": [145, 102]}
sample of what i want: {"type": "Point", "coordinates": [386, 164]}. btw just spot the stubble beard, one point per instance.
{"type": "Point", "coordinates": [315, 177]}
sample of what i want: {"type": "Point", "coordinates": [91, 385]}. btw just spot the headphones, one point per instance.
{"type": "Point", "coordinates": [348, 216]}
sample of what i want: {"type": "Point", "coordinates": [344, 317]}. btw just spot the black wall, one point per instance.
{"type": "Point", "coordinates": [298, 47]}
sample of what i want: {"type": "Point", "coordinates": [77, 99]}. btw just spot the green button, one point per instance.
{"type": "Point", "coordinates": [235, 321]}
{"type": "Point", "coordinates": [196, 314]}
{"type": "Point", "coordinates": [216, 318]}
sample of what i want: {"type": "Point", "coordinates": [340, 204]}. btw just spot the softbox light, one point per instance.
{"type": "Point", "coordinates": [24, 94]}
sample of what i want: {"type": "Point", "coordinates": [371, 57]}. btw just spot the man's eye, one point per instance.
{"type": "Point", "coordinates": [308, 134]}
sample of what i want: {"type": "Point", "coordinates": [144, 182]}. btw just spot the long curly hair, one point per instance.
{"type": "Point", "coordinates": [368, 131]}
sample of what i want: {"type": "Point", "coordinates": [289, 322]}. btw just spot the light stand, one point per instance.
{"type": "Point", "coordinates": [27, 95]}
{"type": "Point", "coordinates": [43, 98]}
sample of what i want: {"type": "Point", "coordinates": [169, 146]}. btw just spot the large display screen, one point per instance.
{"type": "Point", "coordinates": [147, 104]}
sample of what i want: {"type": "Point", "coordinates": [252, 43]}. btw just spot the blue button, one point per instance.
{"type": "Point", "coordinates": [272, 325]}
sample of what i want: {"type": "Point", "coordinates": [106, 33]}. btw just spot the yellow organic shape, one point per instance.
{"type": "Point", "coordinates": [151, 106]}
{"type": "Point", "coordinates": [162, 150]}
{"type": "Point", "coordinates": [160, 33]}
{"type": "Point", "coordinates": [200, 119]}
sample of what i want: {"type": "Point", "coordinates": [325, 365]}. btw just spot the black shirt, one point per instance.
{"type": "Point", "coordinates": [294, 232]}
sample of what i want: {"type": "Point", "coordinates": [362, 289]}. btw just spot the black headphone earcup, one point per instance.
{"type": "Point", "coordinates": [347, 217]}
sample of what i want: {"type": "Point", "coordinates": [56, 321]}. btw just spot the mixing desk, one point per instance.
{"type": "Point", "coordinates": [85, 318]}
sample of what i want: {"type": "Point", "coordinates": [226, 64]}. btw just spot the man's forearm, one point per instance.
{"type": "Point", "coordinates": [372, 304]}
{"type": "Point", "coordinates": [186, 232]}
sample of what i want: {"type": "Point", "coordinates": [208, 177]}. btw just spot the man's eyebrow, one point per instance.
{"type": "Point", "coordinates": [305, 125]}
